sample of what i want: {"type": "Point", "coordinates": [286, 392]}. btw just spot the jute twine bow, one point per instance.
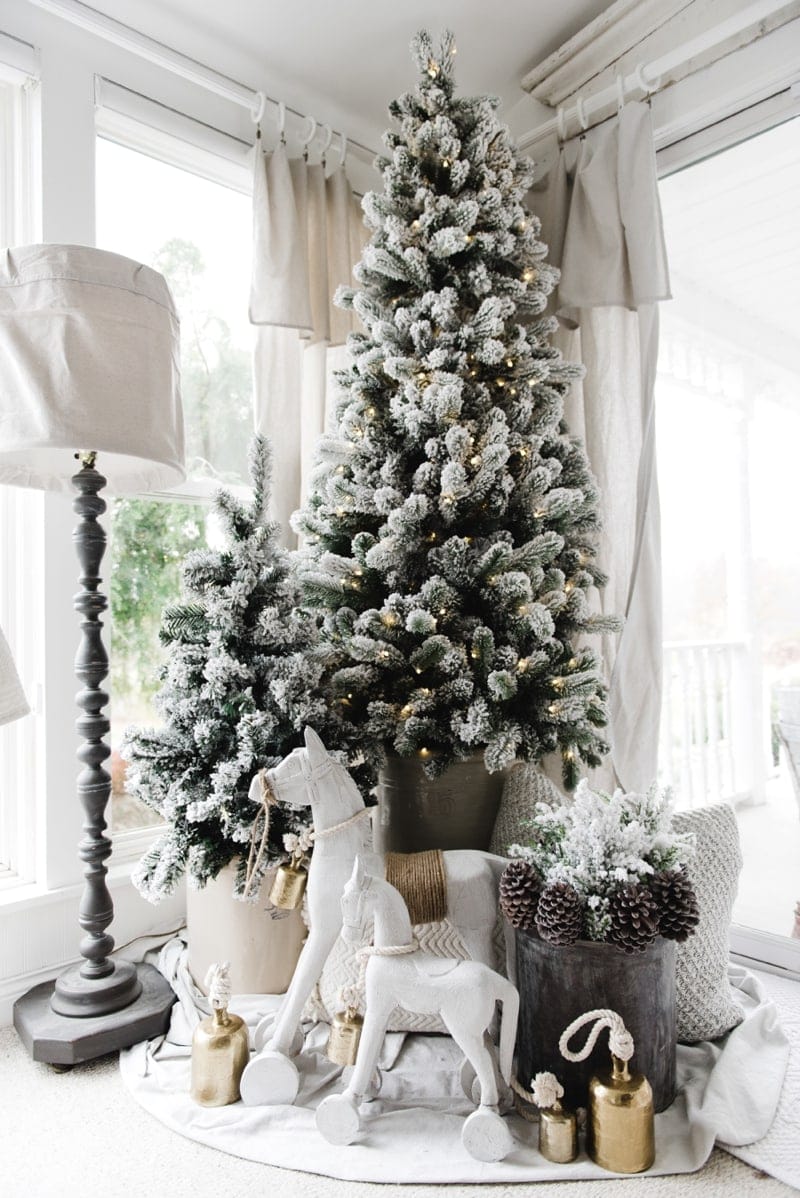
{"type": "Point", "coordinates": [620, 1041]}
{"type": "Point", "coordinates": [255, 856]}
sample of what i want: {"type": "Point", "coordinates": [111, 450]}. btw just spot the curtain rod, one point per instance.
{"type": "Point", "coordinates": [156, 52]}
{"type": "Point", "coordinates": [645, 79]}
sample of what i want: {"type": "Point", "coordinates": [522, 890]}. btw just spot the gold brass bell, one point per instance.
{"type": "Point", "coordinates": [289, 885]}
{"type": "Point", "coordinates": [621, 1124]}
{"type": "Point", "coordinates": [220, 1051]}
{"type": "Point", "coordinates": [344, 1037]}
{"type": "Point", "coordinates": [558, 1134]}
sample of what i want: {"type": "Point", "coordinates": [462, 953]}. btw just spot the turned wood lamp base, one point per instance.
{"type": "Point", "coordinates": [98, 1005]}
{"type": "Point", "coordinates": [66, 1040]}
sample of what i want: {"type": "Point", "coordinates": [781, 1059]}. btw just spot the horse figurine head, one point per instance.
{"type": "Point", "coordinates": [357, 903]}
{"type": "Point", "coordinates": [293, 780]}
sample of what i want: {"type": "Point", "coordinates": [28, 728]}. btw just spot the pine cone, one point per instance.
{"type": "Point", "coordinates": [634, 918]}
{"type": "Point", "coordinates": [678, 912]}
{"type": "Point", "coordinates": [519, 893]}
{"type": "Point", "coordinates": [559, 916]}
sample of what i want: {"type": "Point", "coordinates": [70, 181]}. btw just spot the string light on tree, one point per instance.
{"type": "Point", "coordinates": [463, 429]}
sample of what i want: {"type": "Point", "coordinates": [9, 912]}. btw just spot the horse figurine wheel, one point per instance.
{"type": "Point", "coordinates": [308, 777]}
{"type": "Point", "coordinates": [463, 993]}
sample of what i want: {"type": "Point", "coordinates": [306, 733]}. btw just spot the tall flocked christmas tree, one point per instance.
{"type": "Point", "coordinates": [237, 689]}
{"type": "Point", "coordinates": [451, 527]}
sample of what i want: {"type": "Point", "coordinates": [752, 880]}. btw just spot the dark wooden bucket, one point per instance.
{"type": "Point", "coordinates": [557, 984]}
{"type": "Point", "coordinates": [454, 811]}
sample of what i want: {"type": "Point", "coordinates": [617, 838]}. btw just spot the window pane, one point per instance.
{"type": "Point", "coordinates": [197, 233]}
{"type": "Point", "coordinates": [728, 410]}
{"type": "Point", "coordinates": [150, 539]}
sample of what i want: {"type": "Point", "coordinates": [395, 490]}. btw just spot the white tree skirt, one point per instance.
{"type": "Point", "coordinates": [728, 1092]}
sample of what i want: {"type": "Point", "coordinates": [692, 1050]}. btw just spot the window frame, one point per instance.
{"type": "Point", "coordinates": [751, 947]}
{"type": "Point", "coordinates": [130, 120]}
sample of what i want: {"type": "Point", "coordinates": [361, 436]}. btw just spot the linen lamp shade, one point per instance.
{"type": "Point", "coordinates": [89, 360]}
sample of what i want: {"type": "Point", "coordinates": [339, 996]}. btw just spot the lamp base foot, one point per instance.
{"type": "Point", "coordinates": [82, 998]}
{"type": "Point", "coordinates": [67, 1040]}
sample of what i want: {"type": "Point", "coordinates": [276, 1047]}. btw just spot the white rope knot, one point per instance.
{"type": "Point", "coordinates": [546, 1090]}
{"type": "Point", "coordinates": [620, 1041]}
{"type": "Point", "coordinates": [349, 998]}
{"type": "Point", "coordinates": [218, 984]}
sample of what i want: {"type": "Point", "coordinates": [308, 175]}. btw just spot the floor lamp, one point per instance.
{"type": "Point", "coordinates": [89, 369]}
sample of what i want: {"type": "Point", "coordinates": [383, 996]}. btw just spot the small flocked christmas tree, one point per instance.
{"type": "Point", "coordinates": [237, 689]}
{"type": "Point", "coordinates": [451, 527]}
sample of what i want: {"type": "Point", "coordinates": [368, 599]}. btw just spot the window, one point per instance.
{"type": "Point", "coordinates": [167, 212]}
{"type": "Point", "coordinates": [728, 411]}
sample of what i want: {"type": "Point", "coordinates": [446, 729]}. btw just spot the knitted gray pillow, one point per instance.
{"type": "Point", "coordinates": [706, 1007]}
{"type": "Point", "coordinates": [524, 787]}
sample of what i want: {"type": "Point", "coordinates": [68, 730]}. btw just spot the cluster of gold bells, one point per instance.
{"type": "Point", "coordinates": [620, 1122]}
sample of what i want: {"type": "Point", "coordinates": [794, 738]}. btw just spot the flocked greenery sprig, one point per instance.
{"type": "Point", "coordinates": [238, 688]}
{"type": "Point", "coordinates": [451, 528]}
{"type": "Point", "coordinates": [603, 867]}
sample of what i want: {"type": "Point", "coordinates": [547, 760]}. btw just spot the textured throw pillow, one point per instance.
{"type": "Point", "coordinates": [706, 1007]}
{"type": "Point", "coordinates": [524, 787]}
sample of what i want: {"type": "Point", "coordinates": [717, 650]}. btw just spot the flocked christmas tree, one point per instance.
{"type": "Point", "coordinates": [237, 689]}
{"type": "Point", "coordinates": [451, 527]}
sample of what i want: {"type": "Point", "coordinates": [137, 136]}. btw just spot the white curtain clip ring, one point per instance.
{"type": "Point", "coordinates": [561, 123]}
{"type": "Point", "coordinates": [328, 139]}
{"type": "Point", "coordinates": [579, 108]}
{"type": "Point", "coordinates": [342, 149]}
{"type": "Point", "coordinates": [620, 93]}
{"type": "Point", "coordinates": [257, 110]}
{"type": "Point", "coordinates": [282, 121]}
{"type": "Point", "coordinates": [306, 142]}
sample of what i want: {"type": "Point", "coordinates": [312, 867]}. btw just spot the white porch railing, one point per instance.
{"type": "Point", "coordinates": [705, 750]}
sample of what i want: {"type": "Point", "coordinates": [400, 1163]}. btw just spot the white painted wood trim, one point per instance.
{"type": "Point", "coordinates": [19, 60]}
{"type": "Point", "coordinates": [619, 28]}
{"type": "Point", "coordinates": [764, 950]}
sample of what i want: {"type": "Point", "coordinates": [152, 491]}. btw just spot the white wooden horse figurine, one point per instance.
{"type": "Point", "coordinates": [463, 993]}
{"type": "Point", "coordinates": [342, 829]}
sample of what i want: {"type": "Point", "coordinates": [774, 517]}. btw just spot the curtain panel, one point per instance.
{"type": "Point", "coordinates": [13, 704]}
{"type": "Point", "coordinates": [308, 234]}
{"type": "Point", "coordinates": [601, 218]}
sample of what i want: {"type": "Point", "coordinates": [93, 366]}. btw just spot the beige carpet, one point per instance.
{"type": "Point", "coordinates": [81, 1135]}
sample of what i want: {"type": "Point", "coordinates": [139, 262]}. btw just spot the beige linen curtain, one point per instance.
{"type": "Point", "coordinates": [308, 234]}
{"type": "Point", "coordinates": [601, 218]}
{"type": "Point", "coordinates": [13, 704]}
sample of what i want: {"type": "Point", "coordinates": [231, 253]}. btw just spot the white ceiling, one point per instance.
{"type": "Point", "coordinates": [343, 60]}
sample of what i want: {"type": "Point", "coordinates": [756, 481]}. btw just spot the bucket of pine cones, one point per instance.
{"type": "Point", "coordinates": [598, 896]}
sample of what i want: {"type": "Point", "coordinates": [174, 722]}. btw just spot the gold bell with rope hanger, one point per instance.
{"type": "Point", "coordinates": [289, 884]}
{"type": "Point", "coordinates": [558, 1127]}
{"type": "Point", "coordinates": [346, 1027]}
{"type": "Point", "coordinates": [620, 1130]}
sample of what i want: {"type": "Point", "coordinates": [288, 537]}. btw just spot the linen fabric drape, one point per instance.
{"type": "Point", "coordinates": [601, 218]}
{"type": "Point", "coordinates": [13, 704]}
{"type": "Point", "coordinates": [308, 235]}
